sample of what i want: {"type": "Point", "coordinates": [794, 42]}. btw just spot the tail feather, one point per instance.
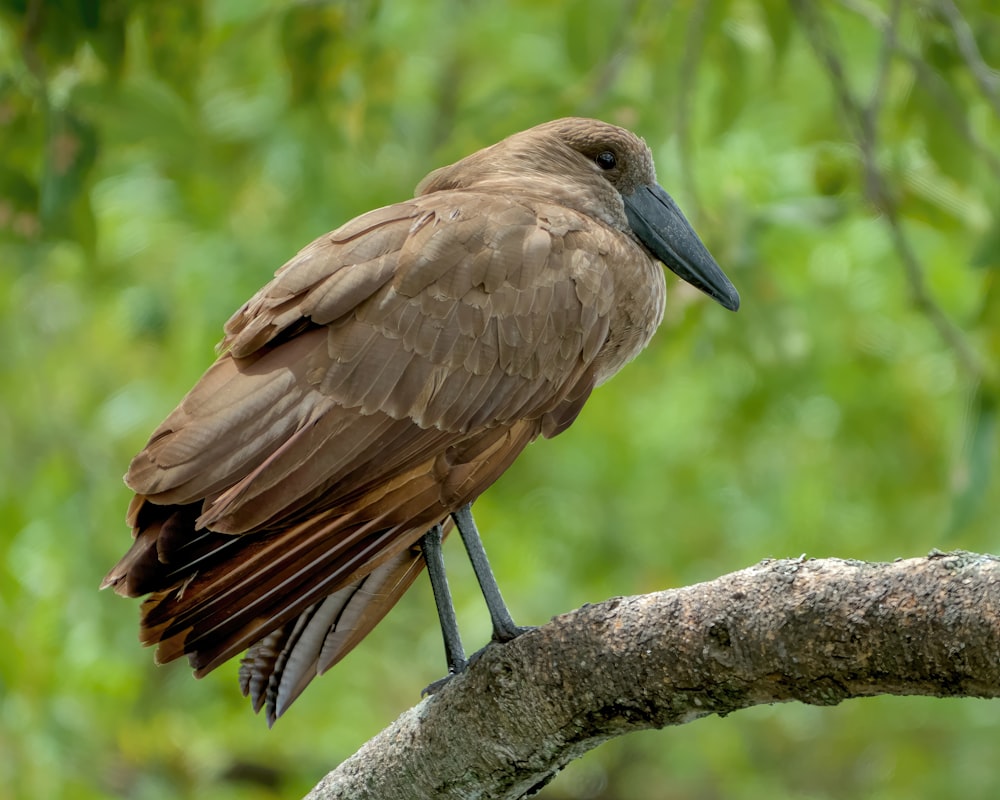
{"type": "Point", "coordinates": [232, 604]}
{"type": "Point", "coordinates": [276, 670]}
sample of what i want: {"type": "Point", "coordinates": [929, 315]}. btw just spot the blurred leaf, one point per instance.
{"type": "Point", "coordinates": [318, 47]}
{"type": "Point", "coordinates": [732, 93]}
{"type": "Point", "coordinates": [105, 21]}
{"type": "Point", "coordinates": [988, 320]}
{"type": "Point", "coordinates": [929, 195]}
{"type": "Point", "coordinates": [987, 33]}
{"type": "Point", "coordinates": [835, 167]}
{"type": "Point", "coordinates": [175, 33]}
{"type": "Point", "coordinates": [18, 205]}
{"type": "Point", "coordinates": [144, 114]}
{"type": "Point", "coordinates": [779, 27]}
{"type": "Point", "coordinates": [21, 126]}
{"type": "Point", "coordinates": [939, 132]}
{"type": "Point", "coordinates": [979, 460]}
{"type": "Point", "coordinates": [52, 31]}
{"type": "Point", "coordinates": [940, 50]}
{"type": "Point", "coordinates": [71, 150]}
{"type": "Point", "coordinates": [987, 251]}
{"type": "Point", "coordinates": [590, 32]}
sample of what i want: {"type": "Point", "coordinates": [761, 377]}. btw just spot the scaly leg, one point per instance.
{"type": "Point", "coordinates": [504, 628]}
{"type": "Point", "coordinates": [453, 650]}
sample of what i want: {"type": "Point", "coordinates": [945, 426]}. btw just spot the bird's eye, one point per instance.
{"type": "Point", "coordinates": [606, 160]}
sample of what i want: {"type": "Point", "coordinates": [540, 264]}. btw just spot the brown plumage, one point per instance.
{"type": "Point", "coordinates": [385, 378]}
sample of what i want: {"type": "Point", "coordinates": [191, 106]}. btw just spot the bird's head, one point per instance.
{"type": "Point", "coordinates": [603, 171]}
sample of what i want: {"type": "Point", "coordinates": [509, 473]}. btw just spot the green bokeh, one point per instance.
{"type": "Point", "coordinates": [159, 160]}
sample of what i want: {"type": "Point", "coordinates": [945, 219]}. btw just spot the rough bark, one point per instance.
{"type": "Point", "coordinates": [813, 631]}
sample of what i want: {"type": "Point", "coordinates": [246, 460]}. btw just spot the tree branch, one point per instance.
{"type": "Point", "coordinates": [861, 120]}
{"type": "Point", "coordinates": [952, 110]}
{"type": "Point", "coordinates": [986, 78]}
{"type": "Point", "coordinates": [818, 632]}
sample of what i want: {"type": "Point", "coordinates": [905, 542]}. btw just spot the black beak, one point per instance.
{"type": "Point", "coordinates": [658, 222]}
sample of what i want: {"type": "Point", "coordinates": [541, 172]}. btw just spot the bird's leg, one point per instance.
{"type": "Point", "coordinates": [504, 628]}
{"type": "Point", "coordinates": [453, 650]}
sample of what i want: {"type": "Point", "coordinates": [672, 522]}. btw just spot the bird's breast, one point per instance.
{"type": "Point", "coordinates": [637, 311]}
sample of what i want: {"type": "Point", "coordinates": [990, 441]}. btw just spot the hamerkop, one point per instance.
{"type": "Point", "coordinates": [389, 374]}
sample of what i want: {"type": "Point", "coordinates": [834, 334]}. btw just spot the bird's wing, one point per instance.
{"type": "Point", "coordinates": [447, 317]}
{"type": "Point", "coordinates": [386, 376]}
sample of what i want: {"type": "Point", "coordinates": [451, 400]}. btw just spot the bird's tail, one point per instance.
{"type": "Point", "coordinates": [300, 598]}
{"type": "Point", "coordinates": [278, 668]}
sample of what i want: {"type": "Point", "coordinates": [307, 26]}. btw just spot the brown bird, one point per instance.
{"type": "Point", "coordinates": [379, 384]}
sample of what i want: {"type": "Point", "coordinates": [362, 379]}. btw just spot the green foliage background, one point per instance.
{"type": "Point", "coordinates": [842, 160]}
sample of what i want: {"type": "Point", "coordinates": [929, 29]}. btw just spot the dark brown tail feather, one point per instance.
{"type": "Point", "coordinates": [166, 550]}
{"type": "Point", "coordinates": [220, 612]}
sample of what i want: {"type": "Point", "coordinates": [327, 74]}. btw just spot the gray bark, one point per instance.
{"type": "Point", "coordinates": [813, 631]}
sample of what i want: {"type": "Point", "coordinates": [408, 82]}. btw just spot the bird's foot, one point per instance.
{"type": "Point", "coordinates": [510, 634]}
{"type": "Point", "coordinates": [436, 686]}
{"type": "Point", "coordinates": [507, 633]}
